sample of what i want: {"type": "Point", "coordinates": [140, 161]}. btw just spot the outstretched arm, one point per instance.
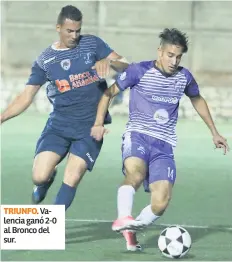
{"type": "Point", "coordinates": [117, 62]}
{"type": "Point", "coordinates": [202, 109]}
{"type": "Point", "coordinates": [111, 65]}
{"type": "Point", "coordinates": [129, 78]}
{"type": "Point", "coordinates": [98, 129]}
{"type": "Point", "coordinates": [108, 63]}
{"type": "Point", "coordinates": [20, 103]}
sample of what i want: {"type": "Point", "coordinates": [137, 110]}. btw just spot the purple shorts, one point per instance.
{"type": "Point", "coordinates": [157, 154]}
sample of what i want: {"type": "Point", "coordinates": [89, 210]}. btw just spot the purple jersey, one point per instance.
{"type": "Point", "coordinates": [154, 99]}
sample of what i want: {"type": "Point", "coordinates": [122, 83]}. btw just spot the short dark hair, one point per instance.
{"type": "Point", "coordinates": [174, 37]}
{"type": "Point", "coordinates": [69, 12]}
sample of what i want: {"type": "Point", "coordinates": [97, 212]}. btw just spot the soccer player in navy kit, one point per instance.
{"type": "Point", "coordinates": [156, 88]}
{"type": "Point", "coordinates": [74, 68]}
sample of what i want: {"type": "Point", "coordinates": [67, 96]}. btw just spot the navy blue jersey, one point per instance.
{"type": "Point", "coordinates": [73, 88]}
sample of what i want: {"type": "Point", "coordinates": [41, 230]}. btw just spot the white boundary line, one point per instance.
{"type": "Point", "coordinates": [164, 225]}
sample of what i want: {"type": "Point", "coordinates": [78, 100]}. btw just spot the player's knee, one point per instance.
{"type": "Point", "coordinates": [39, 179]}
{"type": "Point", "coordinates": [134, 179]}
{"type": "Point", "coordinates": [73, 178]}
{"type": "Point", "coordinates": [160, 201]}
{"type": "Point", "coordinates": [135, 171]}
{"type": "Point", "coordinates": [39, 175]}
{"type": "Point", "coordinates": [75, 170]}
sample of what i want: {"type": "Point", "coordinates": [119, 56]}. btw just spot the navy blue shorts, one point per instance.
{"type": "Point", "coordinates": [86, 148]}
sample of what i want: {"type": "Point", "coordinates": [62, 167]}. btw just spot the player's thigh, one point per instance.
{"type": "Point", "coordinates": [162, 165]}
{"type": "Point", "coordinates": [135, 155]}
{"type": "Point", "coordinates": [162, 169]}
{"type": "Point", "coordinates": [162, 175]}
{"type": "Point", "coordinates": [43, 166]}
{"type": "Point", "coordinates": [50, 150]}
{"type": "Point", "coordinates": [135, 170]}
{"type": "Point", "coordinates": [75, 170]}
{"type": "Point", "coordinates": [83, 156]}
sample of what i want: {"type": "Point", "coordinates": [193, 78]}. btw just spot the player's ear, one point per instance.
{"type": "Point", "coordinates": [159, 51]}
{"type": "Point", "coordinates": [58, 28]}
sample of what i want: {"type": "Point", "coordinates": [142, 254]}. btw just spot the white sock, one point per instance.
{"type": "Point", "coordinates": [147, 216]}
{"type": "Point", "coordinates": [125, 200]}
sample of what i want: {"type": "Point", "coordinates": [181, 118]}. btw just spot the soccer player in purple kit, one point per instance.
{"type": "Point", "coordinates": [156, 88]}
{"type": "Point", "coordinates": [74, 68]}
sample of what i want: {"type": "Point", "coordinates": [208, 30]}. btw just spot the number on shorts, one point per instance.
{"type": "Point", "coordinates": [170, 173]}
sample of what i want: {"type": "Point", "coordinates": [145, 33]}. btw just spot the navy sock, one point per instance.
{"type": "Point", "coordinates": [65, 195]}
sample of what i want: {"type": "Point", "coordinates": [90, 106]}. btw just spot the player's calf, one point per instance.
{"type": "Point", "coordinates": [74, 172]}
{"type": "Point", "coordinates": [160, 197]}
{"type": "Point", "coordinates": [161, 192]}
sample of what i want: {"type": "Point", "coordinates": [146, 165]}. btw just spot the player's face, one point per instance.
{"type": "Point", "coordinates": [169, 57]}
{"type": "Point", "coordinates": [69, 33]}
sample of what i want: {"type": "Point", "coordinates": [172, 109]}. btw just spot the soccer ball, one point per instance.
{"type": "Point", "coordinates": [174, 242]}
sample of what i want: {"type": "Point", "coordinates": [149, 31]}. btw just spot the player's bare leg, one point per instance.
{"type": "Point", "coordinates": [161, 192]}
{"type": "Point", "coordinates": [44, 171]}
{"type": "Point", "coordinates": [74, 172]}
{"type": "Point", "coordinates": [135, 172]}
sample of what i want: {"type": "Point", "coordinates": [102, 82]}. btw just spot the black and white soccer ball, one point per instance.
{"type": "Point", "coordinates": [174, 242]}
